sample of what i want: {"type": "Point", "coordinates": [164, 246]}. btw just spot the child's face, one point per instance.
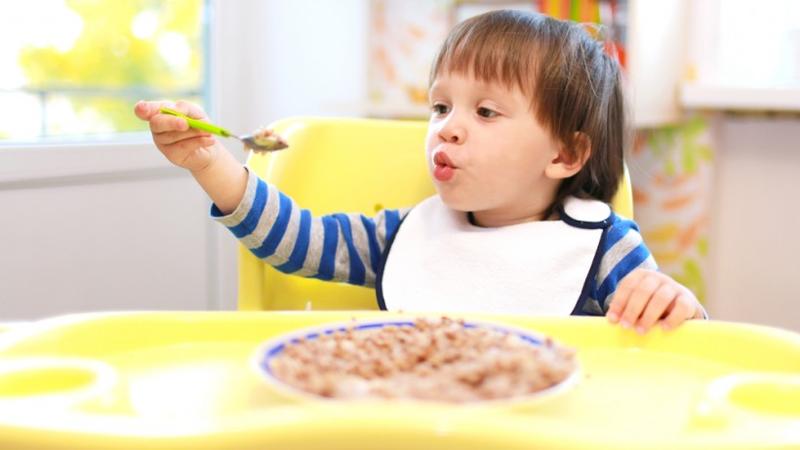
{"type": "Point", "coordinates": [487, 152]}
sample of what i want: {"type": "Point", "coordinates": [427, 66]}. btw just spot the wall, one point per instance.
{"type": "Point", "coordinates": [277, 58]}
{"type": "Point", "coordinates": [755, 249]}
{"type": "Point", "coordinates": [100, 227]}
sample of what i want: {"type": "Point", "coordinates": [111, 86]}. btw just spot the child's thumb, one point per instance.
{"type": "Point", "coordinates": [142, 110]}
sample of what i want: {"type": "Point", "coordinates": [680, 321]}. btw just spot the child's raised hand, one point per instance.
{"type": "Point", "coordinates": [645, 297]}
{"type": "Point", "coordinates": [183, 146]}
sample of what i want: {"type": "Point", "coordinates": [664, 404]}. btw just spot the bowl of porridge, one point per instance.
{"type": "Point", "coordinates": [425, 359]}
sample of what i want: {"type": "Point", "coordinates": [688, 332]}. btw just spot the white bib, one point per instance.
{"type": "Point", "coordinates": [439, 261]}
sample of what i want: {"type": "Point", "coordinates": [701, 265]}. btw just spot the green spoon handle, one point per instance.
{"type": "Point", "coordinates": [198, 124]}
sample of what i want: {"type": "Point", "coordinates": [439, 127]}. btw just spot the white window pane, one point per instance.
{"type": "Point", "coordinates": [75, 67]}
{"type": "Point", "coordinates": [20, 116]}
{"type": "Point", "coordinates": [758, 44]}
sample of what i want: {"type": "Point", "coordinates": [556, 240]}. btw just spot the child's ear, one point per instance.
{"type": "Point", "coordinates": [567, 163]}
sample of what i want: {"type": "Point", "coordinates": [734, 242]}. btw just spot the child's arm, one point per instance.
{"type": "Point", "coordinates": [341, 247]}
{"type": "Point", "coordinates": [215, 169]}
{"type": "Point", "coordinates": [632, 290]}
{"type": "Point", "coordinates": [645, 297]}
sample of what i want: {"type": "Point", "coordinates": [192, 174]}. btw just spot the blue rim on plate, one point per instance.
{"type": "Point", "coordinates": [274, 347]}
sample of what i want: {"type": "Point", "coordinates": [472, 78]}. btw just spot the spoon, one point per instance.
{"type": "Point", "coordinates": [262, 140]}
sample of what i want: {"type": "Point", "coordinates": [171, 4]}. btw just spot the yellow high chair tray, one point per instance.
{"type": "Point", "coordinates": [166, 380]}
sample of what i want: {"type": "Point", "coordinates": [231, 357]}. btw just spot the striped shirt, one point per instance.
{"type": "Point", "coordinates": [348, 247]}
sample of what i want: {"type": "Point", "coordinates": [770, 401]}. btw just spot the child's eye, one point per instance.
{"type": "Point", "coordinates": [439, 108]}
{"type": "Point", "coordinates": [486, 113]}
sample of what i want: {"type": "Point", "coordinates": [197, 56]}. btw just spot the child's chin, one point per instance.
{"type": "Point", "coordinates": [456, 203]}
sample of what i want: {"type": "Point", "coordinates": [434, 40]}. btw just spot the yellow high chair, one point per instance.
{"type": "Point", "coordinates": [343, 165]}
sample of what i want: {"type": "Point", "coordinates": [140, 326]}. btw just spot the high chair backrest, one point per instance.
{"type": "Point", "coordinates": [342, 165]}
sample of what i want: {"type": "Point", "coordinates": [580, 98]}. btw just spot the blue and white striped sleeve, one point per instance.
{"type": "Point", "coordinates": [623, 251]}
{"type": "Point", "coordinates": [339, 247]}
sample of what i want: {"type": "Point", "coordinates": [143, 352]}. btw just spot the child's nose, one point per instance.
{"type": "Point", "coordinates": [452, 132]}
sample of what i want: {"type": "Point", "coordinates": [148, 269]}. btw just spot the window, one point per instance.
{"type": "Point", "coordinates": [743, 55]}
{"type": "Point", "coordinates": [746, 44]}
{"type": "Point", "coordinates": [74, 68]}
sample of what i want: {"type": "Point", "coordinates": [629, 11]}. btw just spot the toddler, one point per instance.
{"type": "Point", "coordinates": [525, 147]}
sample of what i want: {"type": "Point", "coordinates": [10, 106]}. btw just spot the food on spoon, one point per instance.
{"type": "Point", "coordinates": [265, 137]}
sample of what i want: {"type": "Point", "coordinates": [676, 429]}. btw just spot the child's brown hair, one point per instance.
{"type": "Point", "coordinates": [574, 86]}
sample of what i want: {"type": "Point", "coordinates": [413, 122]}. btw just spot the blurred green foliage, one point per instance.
{"type": "Point", "coordinates": [109, 56]}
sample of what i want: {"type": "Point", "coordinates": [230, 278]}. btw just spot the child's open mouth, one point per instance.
{"type": "Point", "coordinates": [443, 168]}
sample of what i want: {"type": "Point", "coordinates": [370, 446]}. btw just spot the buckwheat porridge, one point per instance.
{"type": "Point", "coordinates": [441, 360]}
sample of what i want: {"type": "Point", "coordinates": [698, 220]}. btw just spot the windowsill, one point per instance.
{"type": "Point", "coordinates": [33, 163]}
{"type": "Point", "coordinates": [729, 98]}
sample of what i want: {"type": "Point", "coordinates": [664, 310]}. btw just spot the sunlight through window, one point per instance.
{"type": "Point", "coordinates": [74, 68]}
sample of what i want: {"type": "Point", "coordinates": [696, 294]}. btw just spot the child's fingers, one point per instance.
{"type": "Point", "coordinates": [622, 295]}
{"type": "Point", "coordinates": [142, 110]}
{"type": "Point", "coordinates": [184, 149]}
{"type": "Point", "coordinates": [639, 299]}
{"type": "Point", "coordinates": [659, 303]}
{"type": "Point", "coordinates": [171, 137]}
{"type": "Point", "coordinates": [682, 310]}
{"type": "Point", "coordinates": [165, 123]}
{"type": "Point", "coordinates": [146, 110]}
{"type": "Point", "coordinates": [161, 123]}
{"type": "Point", "coordinates": [190, 109]}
